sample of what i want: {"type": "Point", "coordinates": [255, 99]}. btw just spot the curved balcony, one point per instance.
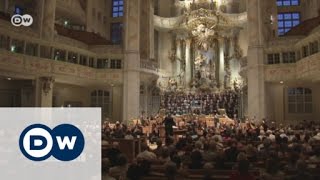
{"type": "Point", "coordinates": [24, 66]}
{"type": "Point", "coordinates": [279, 72]}
{"type": "Point", "coordinates": [307, 69]}
{"type": "Point", "coordinates": [149, 67]}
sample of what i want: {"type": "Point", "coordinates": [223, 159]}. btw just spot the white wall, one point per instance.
{"type": "Point", "coordinates": [68, 93]}
{"type": "Point", "coordinates": [277, 103]}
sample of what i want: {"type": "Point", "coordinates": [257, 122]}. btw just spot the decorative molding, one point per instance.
{"type": "Point", "coordinates": [47, 84]}
{"type": "Point", "coordinates": [18, 65]}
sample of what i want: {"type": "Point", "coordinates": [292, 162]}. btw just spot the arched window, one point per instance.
{"type": "Point", "coordinates": [101, 98]}
{"type": "Point", "coordinates": [299, 100]}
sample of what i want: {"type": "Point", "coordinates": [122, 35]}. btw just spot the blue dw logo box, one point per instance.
{"type": "Point", "coordinates": [38, 142]}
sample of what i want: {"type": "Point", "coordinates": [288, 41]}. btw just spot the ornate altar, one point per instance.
{"type": "Point", "coordinates": [211, 49]}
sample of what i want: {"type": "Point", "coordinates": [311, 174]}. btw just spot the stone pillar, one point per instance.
{"type": "Point", "coordinates": [145, 100]}
{"type": "Point", "coordinates": [151, 29]}
{"type": "Point", "coordinates": [255, 74]}
{"type": "Point", "coordinates": [89, 21]}
{"type": "Point", "coordinates": [131, 75]}
{"type": "Point", "coordinates": [48, 21]}
{"type": "Point", "coordinates": [221, 62]}
{"type": "Point", "coordinates": [178, 55]}
{"type": "Point", "coordinates": [233, 61]}
{"type": "Point", "coordinates": [6, 6]}
{"type": "Point", "coordinates": [43, 91]}
{"type": "Point", "coordinates": [188, 68]}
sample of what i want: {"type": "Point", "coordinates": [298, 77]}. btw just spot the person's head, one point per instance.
{"type": "Point", "coordinates": [177, 160]}
{"type": "Point", "coordinates": [196, 156]}
{"type": "Point", "coordinates": [168, 141]}
{"type": "Point", "coordinates": [144, 147]}
{"type": "Point", "coordinates": [198, 145]}
{"type": "Point", "coordinates": [212, 146]}
{"type": "Point", "coordinates": [159, 143]}
{"type": "Point", "coordinates": [171, 170]}
{"type": "Point", "coordinates": [122, 160]}
{"type": "Point", "coordinates": [165, 153]}
{"type": "Point", "coordinates": [105, 166]}
{"type": "Point", "coordinates": [242, 156]}
{"type": "Point", "coordinates": [115, 145]}
{"type": "Point", "coordinates": [317, 151]}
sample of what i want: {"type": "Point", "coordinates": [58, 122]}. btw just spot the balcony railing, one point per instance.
{"type": "Point", "coordinates": [150, 65]}
{"type": "Point", "coordinates": [24, 65]}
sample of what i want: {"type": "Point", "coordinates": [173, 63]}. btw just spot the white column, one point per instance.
{"type": "Point", "coordinates": [6, 6]}
{"type": "Point", "coordinates": [178, 55]}
{"type": "Point", "coordinates": [146, 94]}
{"type": "Point", "coordinates": [131, 75]}
{"type": "Point", "coordinates": [49, 15]}
{"type": "Point", "coordinates": [234, 68]}
{"type": "Point", "coordinates": [221, 62]}
{"type": "Point", "coordinates": [151, 29]}
{"type": "Point", "coordinates": [188, 67]}
{"type": "Point", "coordinates": [89, 21]}
{"type": "Point", "coordinates": [231, 46]}
{"type": "Point", "coordinates": [256, 84]}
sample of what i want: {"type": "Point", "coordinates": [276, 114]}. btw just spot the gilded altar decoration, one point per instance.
{"type": "Point", "coordinates": [207, 50]}
{"type": "Point", "coordinates": [203, 36]}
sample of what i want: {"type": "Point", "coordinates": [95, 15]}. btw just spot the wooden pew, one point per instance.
{"type": "Point", "coordinates": [195, 174]}
{"type": "Point", "coordinates": [130, 147]}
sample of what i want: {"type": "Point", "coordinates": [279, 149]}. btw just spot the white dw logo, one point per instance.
{"type": "Point", "coordinates": [24, 20]}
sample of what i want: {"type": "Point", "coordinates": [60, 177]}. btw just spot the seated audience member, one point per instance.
{"type": "Point", "coordinates": [159, 149]}
{"type": "Point", "coordinates": [146, 154]}
{"type": "Point", "coordinates": [232, 152]}
{"type": "Point", "coordinates": [128, 135]}
{"type": "Point", "coordinates": [138, 169]}
{"type": "Point", "coordinates": [243, 171]}
{"type": "Point", "coordinates": [105, 170]}
{"type": "Point", "coordinates": [301, 173]}
{"type": "Point", "coordinates": [171, 171]}
{"type": "Point", "coordinates": [196, 160]}
{"type": "Point", "coordinates": [113, 153]}
{"type": "Point", "coordinates": [251, 152]}
{"type": "Point", "coordinates": [273, 171]}
{"type": "Point", "coordinates": [121, 168]}
{"type": "Point", "coordinates": [291, 164]}
{"type": "Point", "coordinates": [316, 156]}
{"type": "Point", "coordinates": [211, 154]}
{"type": "Point", "coordinates": [165, 156]}
{"type": "Point", "coordinates": [154, 135]}
{"type": "Point", "coordinates": [118, 131]}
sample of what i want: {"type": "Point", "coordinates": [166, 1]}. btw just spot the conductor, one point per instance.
{"type": "Point", "coordinates": [168, 125]}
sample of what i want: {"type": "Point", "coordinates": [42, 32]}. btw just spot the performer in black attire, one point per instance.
{"type": "Point", "coordinates": [168, 125]}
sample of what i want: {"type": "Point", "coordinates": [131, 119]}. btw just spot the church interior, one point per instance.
{"type": "Point", "coordinates": [188, 89]}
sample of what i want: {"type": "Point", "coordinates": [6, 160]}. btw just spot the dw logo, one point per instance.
{"type": "Point", "coordinates": [38, 142]}
{"type": "Point", "coordinates": [18, 20]}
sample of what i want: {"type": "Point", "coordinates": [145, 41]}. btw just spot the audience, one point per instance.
{"type": "Point", "coordinates": [283, 152]}
{"type": "Point", "coordinates": [146, 154]}
{"type": "Point", "coordinates": [105, 170]}
{"type": "Point", "coordinates": [243, 171]}
{"type": "Point", "coordinates": [121, 167]}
